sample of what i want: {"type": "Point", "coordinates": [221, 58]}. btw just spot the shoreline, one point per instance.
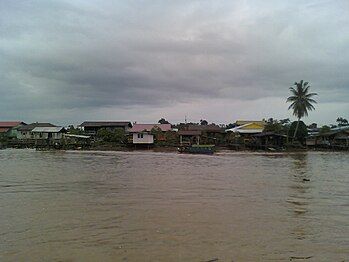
{"type": "Point", "coordinates": [171, 149]}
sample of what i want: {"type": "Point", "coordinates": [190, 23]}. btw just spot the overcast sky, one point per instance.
{"type": "Point", "coordinates": [70, 61]}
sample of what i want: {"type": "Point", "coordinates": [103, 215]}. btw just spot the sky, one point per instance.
{"type": "Point", "coordinates": [65, 62]}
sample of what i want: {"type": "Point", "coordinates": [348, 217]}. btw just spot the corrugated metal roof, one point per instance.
{"type": "Point", "coordinates": [77, 136]}
{"type": "Point", "coordinates": [51, 129]}
{"type": "Point", "coordinates": [244, 122]}
{"type": "Point", "coordinates": [148, 127]}
{"type": "Point", "coordinates": [10, 123]}
{"type": "Point", "coordinates": [189, 132]}
{"type": "Point", "coordinates": [31, 126]}
{"type": "Point", "coordinates": [106, 124]}
{"type": "Point", "coordinates": [240, 129]}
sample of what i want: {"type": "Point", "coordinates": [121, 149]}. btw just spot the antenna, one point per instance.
{"type": "Point", "coordinates": [185, 119]}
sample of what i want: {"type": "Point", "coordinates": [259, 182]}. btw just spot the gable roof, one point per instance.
{"type": "Point", "coordinates": [249, 128]}
{"type": "Point", "coordinates": [31, 126]}
{"type": "Point", "coordinates": [48, 129]}
{"type": "Point", "coordinates": [106, 124]}
{"type": "Point", "coordinates": [148, 127]}
{"type": "Point", "coordinates": [244, 122]}
{"type": "Point", "coordinates": [207, 128]}
{"type": "Point", "coordinates": [10, 124]}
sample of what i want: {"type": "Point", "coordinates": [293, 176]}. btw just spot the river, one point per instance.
{"type": "Point", "coordinates": [150, 206]}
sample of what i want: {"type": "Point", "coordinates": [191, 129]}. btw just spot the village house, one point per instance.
{"type": "Point", "coordinates": [25, 131]}
{"type": "Point", "coordinates": [247, 127]}
{"type": "Point", "coordinates": [190, 134]}
{"type": "Point", "coordinates": [269, 141]}
{"type": "Point", "coordinates": [92, 127]}
{"type": "Point", "coordinates": [10, 128]}
{"type": "Point", "coordinates": [243, 132]}
{"type": "Point", "coordinates": [48, 135]}
{"type": "Point", "coordinates": [336, 138]}
{"type": "Point", "coordinates": [188, 137]}
{"type": "Point", "coordinates": [141, 133]}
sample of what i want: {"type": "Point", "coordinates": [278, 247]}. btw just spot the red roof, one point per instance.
{"type": "Point", "coordinates": [10, 124]}
{"type": "Point", "coordinates": [148, 127]}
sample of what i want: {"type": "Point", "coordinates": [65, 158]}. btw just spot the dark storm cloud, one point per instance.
{"type": "Point", "coordinates": [82, 55]}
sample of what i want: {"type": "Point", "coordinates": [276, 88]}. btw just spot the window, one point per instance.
{"type": "Point", "coordinates": [140, 135]}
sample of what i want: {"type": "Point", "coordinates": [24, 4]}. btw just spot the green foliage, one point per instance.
{"type": "Point", "coordinates": [156, 131]}
{"type": "Point", "coordinates": [203, 122]}
{"type": "Point", "coordinates": [324, 129]}
{"type": "Point", "coordinates": [229, 126]}
{"type": "Point", "coordinates": [301, 100]}
{"type": "Point", "coordinates": [302, 131]}
{"type": "Point", "coordinates": [3, 138]}
{"type": "Point", "coordinates": [171, 138]}
{"type": "Point", "coordinates": [342, 121]}
{"type": "Point", "coordinates": [163, 121]}
{"type": "Point", "coordinates": [117, 136]}
{"type": "Point", "coordinates": [277, 126]}
{"type": "Point", "coordinates": [74, 131]}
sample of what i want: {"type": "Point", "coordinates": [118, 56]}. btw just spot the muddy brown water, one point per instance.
{"type": "Point", "coordinates": [147, 206]}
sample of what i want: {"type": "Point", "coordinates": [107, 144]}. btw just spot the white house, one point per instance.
{"type": "Point", "coordinates": [141, 133]}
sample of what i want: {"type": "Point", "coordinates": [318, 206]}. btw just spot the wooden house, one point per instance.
{"type": "Point", "coordinates": [269, 141]}
{"type": "Point", "coordinates": [25, 131]}
{"type": "Point", "coordinates": [201, 134]}
{"type": "Point", "coordinates": [188, 137]}
{"type": "Point", "coordinates": [10, 128]}
{"type": "Point", "coordinates": [48, 133]}
{"type": "Point", "coordinates": [337, 138]}
{"type": "Point", "coordinates": [92, 127]}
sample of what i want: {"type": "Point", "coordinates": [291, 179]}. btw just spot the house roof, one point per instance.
{"type": "Point", "coordinates": [148, 127]}
{"type": "Point", "coordinates": [330, 133]}
{"type": "Point", "coordinates": [205, 128]}
{"type": "Point", "coordinates": [106, 124]}
{"type": "Point", "coordinates": [77, 136]}
{"type": "Point", "coordinates": [244, 122]}
{"type": "Point", "coordinates": [31, 126]}
{"type": "Point", "coordinates": [249, 128]}
{"type": "Point", "coordinates": [189, 132]}
{"type": "Point", "coordinates": [10, 124]}
{"type": "Point", "coordinates": [50, 129]}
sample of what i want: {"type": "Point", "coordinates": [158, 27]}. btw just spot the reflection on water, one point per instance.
{"type": "Point", "coordinates": [144, 206]}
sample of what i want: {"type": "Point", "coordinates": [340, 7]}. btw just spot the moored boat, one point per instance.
{"type": "Point", "coordinates": [197, 149]}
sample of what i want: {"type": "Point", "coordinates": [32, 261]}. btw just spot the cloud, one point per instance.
{"type": "Point", "coordinates": [89, 59]}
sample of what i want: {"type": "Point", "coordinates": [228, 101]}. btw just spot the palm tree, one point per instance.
{"type": "Point", "coordinates": [301, 101]}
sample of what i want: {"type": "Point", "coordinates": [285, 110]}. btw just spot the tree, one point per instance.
{"type": "Point", "coordinates": [302, 131]}
{"type": "Point", "coordinates": [342, 121]}
{"type": "Point", "coordinates": [301, 101]}
{"type": "Point", "coordinates": [277, 126]}
{"type": "Point", "coordinates": [324, 129]}
{"type": "Point", "coordinates": [163, 121]}
{"type": "Point", "coordinates": [203, 122]}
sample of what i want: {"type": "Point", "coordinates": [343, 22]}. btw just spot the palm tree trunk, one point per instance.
{"type": "Point", "coordinates": [296, 130]}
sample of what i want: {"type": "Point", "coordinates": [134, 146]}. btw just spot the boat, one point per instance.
{"type": "Point", "coordinates": [197, 149]}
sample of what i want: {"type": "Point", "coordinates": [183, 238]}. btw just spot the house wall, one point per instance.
{"type": "Point", "coordinates": [94, 129]}
{"type": "Point", "coordinates": [45, 135]}
{"type": "Point", "coordinates": [142, 138]}
{"type": "Point", "coordinates": [25, 135]}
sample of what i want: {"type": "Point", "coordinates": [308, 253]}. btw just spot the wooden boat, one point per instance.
{"type": "Point", "coordinates": [197, 149]}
